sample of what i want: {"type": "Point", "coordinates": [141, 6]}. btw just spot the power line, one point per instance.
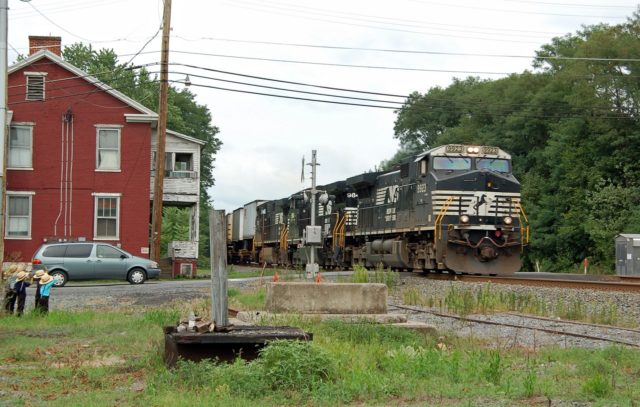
{"type": "Point", "coordinates": [429, 99]}
{"type": "Point", "coordinates": [294, 97]}
{"type": "Point", "coordinates": [352, 24]}
{"type": "Point", "coordinates": [516, 11]}
{"type": "Point", "coordinates": [548, 3]}
{"type": "Point", "coordinates": [390, 20]}
{"type": "Point", "coordinates": [57, 25]}
{"type": "Point", "coordinates": [291, 61]}
{"type": "Point", "coordinates": [145, 45]}
{"type": "Point", "coordinates": [407, 51]}
{"type": "Point", "coordinates": [291, 90]}
{"type": "Point", "coordinates": [288, 82]}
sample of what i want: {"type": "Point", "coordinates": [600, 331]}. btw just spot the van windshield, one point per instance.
{"type": "Point", "coordinates": [451, 163]}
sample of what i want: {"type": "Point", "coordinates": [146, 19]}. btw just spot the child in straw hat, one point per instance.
{"type": "Point", "coordinates": [9, 291]}
{"type": "Point", "coordinates": [36, 277]}
{"type": "Point", "coordinates": [21, 290]}
{"type": "Point", "coordinates": [46, 282]}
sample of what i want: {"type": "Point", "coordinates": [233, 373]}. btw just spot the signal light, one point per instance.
{"type": "Point", "coordinates": [498, 233]}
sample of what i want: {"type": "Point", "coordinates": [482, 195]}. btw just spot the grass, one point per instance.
{"type": "Point", "coordinates": [378, 275]}
{"type": "Point", "coordinates": [486, 299]}
{"type": "Point", "coordinates": [93, 358]}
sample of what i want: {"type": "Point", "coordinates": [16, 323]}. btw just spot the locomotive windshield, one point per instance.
{"type": "Point", "coordinates": [493, 164]}
{"type": "Point", "coordinates": [451, 163]}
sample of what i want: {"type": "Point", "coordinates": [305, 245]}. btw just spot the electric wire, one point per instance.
{"type": "Point", "coordinates": [292, 90]}
{"type": "Point", "coordinates": [409, 51]}
{"type": "Point", "coordinates": [352, 24]}
{"type": "Point", "coordinates": [548, 3]}
{"type": "Point", "coordinates": [526, 12]}
{"type": "Point", "coordinates": [432, 104]}
{"type": "Point", "coordinates": [291, 61]}
{"type": "Point", "coordinates": [427, 98]}
{"type": "Point", "coordinates": [392, 20]}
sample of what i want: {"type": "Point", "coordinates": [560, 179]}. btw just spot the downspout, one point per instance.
{"type": "Point", "coordinates": [62, 126]}
{"type": "Point", "coordinates": [71, 172]}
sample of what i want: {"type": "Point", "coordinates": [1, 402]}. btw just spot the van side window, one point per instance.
{"type": "Point", "coordinates": [55, 251]}
{"type": "Point", "coordinates": [79, 250]}
{"type": "Point", "coordinates": [107, 252]}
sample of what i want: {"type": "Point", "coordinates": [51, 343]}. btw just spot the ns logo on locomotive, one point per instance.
{"type": "Point", "coordinates": [455, 208]}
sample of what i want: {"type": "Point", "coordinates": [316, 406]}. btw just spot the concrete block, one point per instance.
{"type": "Point", "coordinates": [326, 298]}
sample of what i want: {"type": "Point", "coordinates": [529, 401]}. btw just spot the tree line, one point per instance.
{"type": "Point", "coordinates": [571, 125]}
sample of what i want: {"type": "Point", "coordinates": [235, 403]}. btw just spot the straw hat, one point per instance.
{"type": "Point", "coordinates": [38, 274]}
{"type": "Point", "coordinates": [45, 279]}
{"type": "Point", "coordinates": [21, 276]}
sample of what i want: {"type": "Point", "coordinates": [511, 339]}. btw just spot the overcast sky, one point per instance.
{"type": "Point", "coordinates": [264, 138]}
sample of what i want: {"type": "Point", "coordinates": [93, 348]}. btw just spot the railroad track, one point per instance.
{"type": "Point", "coordinates": [625, 285]}
{"type": "Point", "coordinates": [609, 334]}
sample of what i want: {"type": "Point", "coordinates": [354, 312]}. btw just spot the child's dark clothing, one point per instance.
{"type": "Point", "coordinates": [10, 295]}
{"type": "Point", "coordinates": [21, 295]}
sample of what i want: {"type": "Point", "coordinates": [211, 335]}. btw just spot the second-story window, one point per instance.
{"type": "Point", "coordinates": [108, 149]}
{"type": "Point", "coordinates": [20, 147]}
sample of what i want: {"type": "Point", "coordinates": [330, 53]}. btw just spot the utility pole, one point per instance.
{"type": "Point", "coordinates": [4, 20]}
{"type": "Point", "coordinates": [313, 234]}
{"type": "Point", "coordinates": [156, 217]}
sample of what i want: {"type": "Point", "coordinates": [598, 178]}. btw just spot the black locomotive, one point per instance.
{"type": "Point", "coordinates": [454, 208]}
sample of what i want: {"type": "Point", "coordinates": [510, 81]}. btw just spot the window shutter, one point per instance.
{"type": "Point", "coordinates": [35, 87]}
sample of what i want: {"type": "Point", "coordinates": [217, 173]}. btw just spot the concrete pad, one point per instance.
{"type": "Point", "coordinates": [326, 298]}
{"type": "Point", "coordinates": [254, 317]}
{"type": "Point", "coordinates": [420, 327]}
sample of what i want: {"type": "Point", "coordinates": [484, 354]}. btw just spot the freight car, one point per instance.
{"type": "Point", "coordinates": [455, 208]}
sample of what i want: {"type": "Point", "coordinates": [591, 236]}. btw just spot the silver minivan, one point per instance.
{"type": "Point", "coordinates": [92, 261]}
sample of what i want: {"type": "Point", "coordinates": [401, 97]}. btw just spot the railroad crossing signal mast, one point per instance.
{"type": "Point", "coordinates": [313, 233]}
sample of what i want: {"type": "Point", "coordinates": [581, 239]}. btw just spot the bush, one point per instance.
{"type": "Point", "coordinates": [296, 365]}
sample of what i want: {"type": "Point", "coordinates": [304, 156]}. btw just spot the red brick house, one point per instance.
{"type": "Point", "coordinates": [78, 158]}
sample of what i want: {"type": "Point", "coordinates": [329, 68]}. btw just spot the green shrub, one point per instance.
{"type": "Point", "coordinates": [597, 386]}
{"type": "Point", "coordinates": [296, 365]}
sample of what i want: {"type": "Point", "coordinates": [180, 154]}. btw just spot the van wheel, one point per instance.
{"type": "Point", "coordinates": [60, 277]}
{"type": "Point", "coordinates": [137, 276]}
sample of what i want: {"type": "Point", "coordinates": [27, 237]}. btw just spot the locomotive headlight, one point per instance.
{"type": "Point", "coordinates": [464, 219]}
{"type": "Point", "coordinates": [508, 220]}
{"type": "Point", "coordinates": [473, 150]}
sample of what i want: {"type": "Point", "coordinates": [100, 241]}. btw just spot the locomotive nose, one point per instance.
{"type": "Point", "coordinates": [488, 252]}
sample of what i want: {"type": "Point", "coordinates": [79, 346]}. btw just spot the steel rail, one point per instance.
{"type": "Point", "coordinates": [544, 282]}
{"type": "Point", "coordinates": [566, 321]}
{"type": "Point", "coordinates": [546, 330]}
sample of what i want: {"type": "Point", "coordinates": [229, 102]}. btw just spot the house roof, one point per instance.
{"type": "Point", "coordinates": [146, 114]}
{"type": "Point", "coordinates": [187, 138]}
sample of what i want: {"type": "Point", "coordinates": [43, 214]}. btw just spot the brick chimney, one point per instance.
{"type": "Point", "coordinates": [36, 43]}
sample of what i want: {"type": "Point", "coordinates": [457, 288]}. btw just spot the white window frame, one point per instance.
{"type": "Point", "coordinates": [29, 75]}
{"type": "Point", "coordinates": [97, 197]}
{"type": "Point", "coordinates": [117, 128]}
{"type": "Point", "coordinates": [23, 126]}
{"type": "Point", "coordinates": [21, 194]}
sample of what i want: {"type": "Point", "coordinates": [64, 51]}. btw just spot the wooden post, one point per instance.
{"type": "Point", "coordinates": [156, 217]}
{"type": "Point", "coordinates": [218, 245]}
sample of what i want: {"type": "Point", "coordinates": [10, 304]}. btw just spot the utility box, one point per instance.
{"type": "Point", "coordinates": [314, 235]}
{"type": "Point", "coordinates": [628, 255]}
